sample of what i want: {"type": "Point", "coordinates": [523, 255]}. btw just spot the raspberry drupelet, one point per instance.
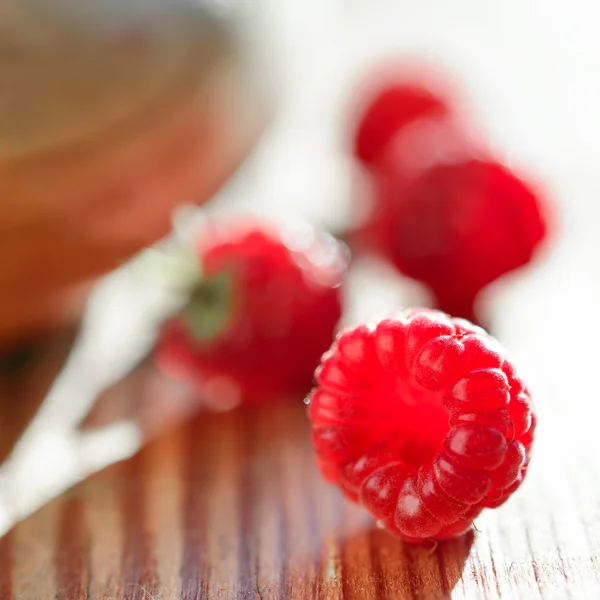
{"type": "Point", "coordinates": [264, 311]}
{"type": "Point", "coordinates": [423, 420]}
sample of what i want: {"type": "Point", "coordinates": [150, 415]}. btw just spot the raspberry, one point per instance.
{"type": "Point", "coordinates": [423, 420]}
{"type": "Point", "coordinates": [259, 320]}
{"type": "Point", "coordinates": [394, 106]}
{"type": "Point", "coordinates": [458, 227]}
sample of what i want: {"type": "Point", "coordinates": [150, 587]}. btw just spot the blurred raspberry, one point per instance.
{"type": "Point", "coordinates": [458, 227]}
{"type": "Point", "coordinates": [395, 106]}
{"type": "Point", "coordinates": [259, 320]}
{"type": "Point", "coordinates": [440, 209]}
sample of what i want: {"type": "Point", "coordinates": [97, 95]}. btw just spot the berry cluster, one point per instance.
{"type": "Point", "coordinates": [423, 420]}
{"type": "Point", "coordinates": [444, 211]}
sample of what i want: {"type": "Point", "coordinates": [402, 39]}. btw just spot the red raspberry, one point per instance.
{"type": "Point", "coordinates": [266, 309]}
{"type": "Point", "coordinates": [422, 420]}
{"type": "Point", "coordinates": [458, 227]}
{"type": "Point", "coordinates": [396, 104]}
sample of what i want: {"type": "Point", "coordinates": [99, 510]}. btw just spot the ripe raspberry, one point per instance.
{"type": "Point", "coordinates": [263, 314]}
{"type": "Point", "coordinates": [396, 105]}
{"type": "Point", "coordinates": [458, 227]}
{"type": "Point", "coordinates": [423, 421]}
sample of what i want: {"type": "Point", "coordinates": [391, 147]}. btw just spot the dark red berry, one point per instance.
{"type": "Point", "coordinates": [265, 310]}
{"type": "Point", "coordinates": [457, 227]}
{"type": "Point", "coordinates": [413, 418]}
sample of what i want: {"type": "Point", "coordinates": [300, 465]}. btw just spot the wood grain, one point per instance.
{"type": "Point", "coordinates": [232, 506]}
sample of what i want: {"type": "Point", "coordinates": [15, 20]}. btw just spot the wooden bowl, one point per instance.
{"type": "Point", "coordinates": [110, 117]}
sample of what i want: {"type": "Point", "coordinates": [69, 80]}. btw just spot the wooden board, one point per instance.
{"type": "Point", "coordinates": [232, 506]}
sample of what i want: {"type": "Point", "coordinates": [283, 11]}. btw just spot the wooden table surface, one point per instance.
{"type": "Point", "coordinates": [232, 506]}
